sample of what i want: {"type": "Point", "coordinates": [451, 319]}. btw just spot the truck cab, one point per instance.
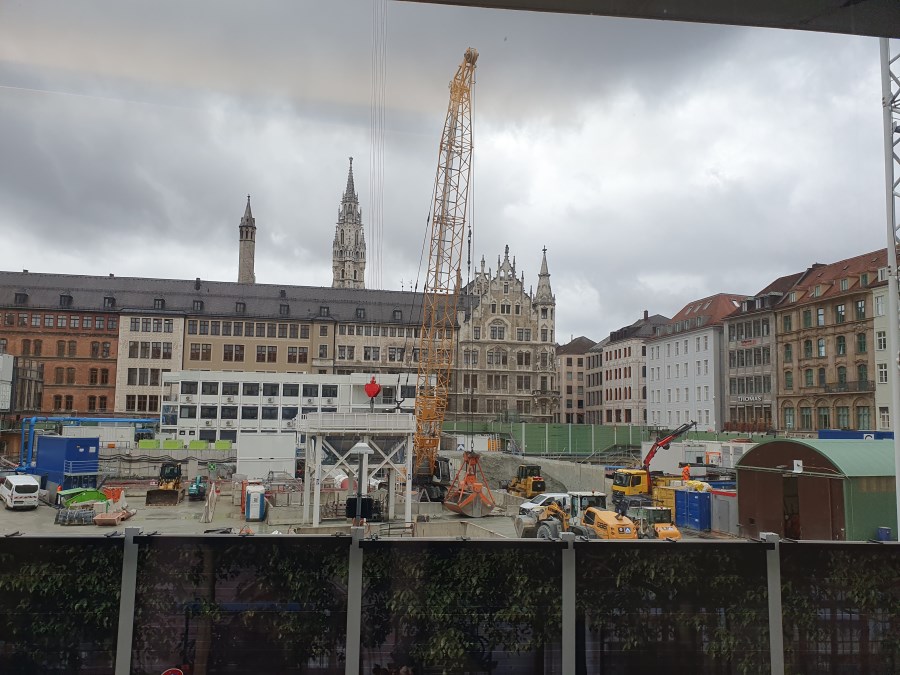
{"type": "Point", "coordinates": [630, 482]}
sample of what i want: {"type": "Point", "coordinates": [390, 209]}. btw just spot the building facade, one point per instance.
{"type": "Point", "coordinates": [506, 354]}
{"type": "Point", "coordinates": [150, 344]}
{"type": "Point", "coordinates": [885, 365]}
{"type": "Point", "coordinates": [625, 371]}
{"type": "Point", "coordinates": [571, 367]}
{"type": "Point", "coordinates": [826, 347]}
{"type": "Point", "coordinates": [751, 370]}
{"type": "Point", "coordinates": [685, 365]}
{"type": "Point", "coordinates": [349, 247]}
{"type": "Point", "coordinates": [593, 376]}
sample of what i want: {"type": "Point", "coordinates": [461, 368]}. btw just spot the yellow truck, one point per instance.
{"type": "Point", "coordinates": [593, 523]}
{"type": "Point", "coordinates": [654, 522]}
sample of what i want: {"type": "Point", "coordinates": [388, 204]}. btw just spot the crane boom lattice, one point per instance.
{"type": "Point", "coordinates": [443, 283]}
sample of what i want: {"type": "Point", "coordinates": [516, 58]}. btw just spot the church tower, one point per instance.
{"type": "Point", "coordinates": [247, 247]}
{"type": "Point", "coordinates": [349, 248]}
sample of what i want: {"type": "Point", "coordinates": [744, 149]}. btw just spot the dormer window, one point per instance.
{"type": "Point", "coordinates": [398, 315]}
{"type": "Point", "coordinates": [324, 311]}
{"type": "Point", "coordinates": [65, 300]}
{"type": "Point", "coordinates": [198, 305]}
{"type": "Point", "coordinates": [284, 310]}
{"type": "Point", "coordinates": [109, 302]}
{"type": "Point", "coordinates": [21, 298]}
{"type": "Point", "coordinates": [159, 303]}
{"type": "Point", "coordinates": [240, 308]}
{"type": "Point", "coordinates": [360, 312]}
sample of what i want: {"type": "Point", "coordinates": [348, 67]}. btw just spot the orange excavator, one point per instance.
{"type": "Point", "coordinates": [466, 494]}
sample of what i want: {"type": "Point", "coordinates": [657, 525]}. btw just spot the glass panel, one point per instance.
{"type": "Point", "coordinates": [214, 605]}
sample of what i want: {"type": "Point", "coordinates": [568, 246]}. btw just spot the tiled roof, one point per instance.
{"type": "Point", "coordinates": [133, 294]}
{"type": "Point", "coordinates": [579, 345]}
{"type": "Point", "coordinates": [827, 278]}
{"type": "Point", "coordinates": [702, 313]}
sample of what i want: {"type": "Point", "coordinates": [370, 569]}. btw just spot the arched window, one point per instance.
{"type": "Point", "coordinates": [354, 275]}
{"type": "Point", "coordinates": [821, 377]}
{"type": "Point", "coordinates": [343, 273]}
{"type": "Point", "coordinates": [342, 237]}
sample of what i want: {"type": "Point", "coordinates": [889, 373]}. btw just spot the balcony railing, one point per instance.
{"type": "Point", "coordinates": [841, 387]}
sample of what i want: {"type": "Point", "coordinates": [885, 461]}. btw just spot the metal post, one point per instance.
{"type": "Point", "coordinates": [889, 108]}
{"type": "Point", "coordinates": [354, 602]}
{"type": "Point", "coordinates": [317, 481]}
{"type": "Point", "coordinates": [407, 507]}
{"type": "Point", "coordinates": [126, 602]}
{"type": "Point", "coordinates": [773, 575]}
{"type": "Point", "coordinates": [569, 599]}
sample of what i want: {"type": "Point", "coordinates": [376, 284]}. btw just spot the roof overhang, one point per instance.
{"type": "Point", "coordinates": [877, 18]}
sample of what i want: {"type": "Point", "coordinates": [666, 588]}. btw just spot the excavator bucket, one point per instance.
{"type": "Point", "coordinates": [469, 495]}
{"type": "Point", "coordinates": [526, 527]}
{"type": "Point", "coordinates": [163, 497]}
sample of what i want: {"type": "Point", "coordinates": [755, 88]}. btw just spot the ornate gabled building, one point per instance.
{"type": "Point", "coordinates": [349, 248]}
{"type": "Point", "coordinates": [506, 359]}
{"type": "Point", "coordinates": [247, 247]}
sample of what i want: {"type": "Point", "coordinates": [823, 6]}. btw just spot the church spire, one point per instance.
{"type": "Point", "coordinates": [544, 294]}
{"type": "Point", "coordinates": [247, 247]}
{"type": "Point", "coordinates": [349, 247]}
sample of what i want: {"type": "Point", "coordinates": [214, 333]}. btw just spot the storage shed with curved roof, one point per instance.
{"type": "Point", "coordinates": [817, 489]}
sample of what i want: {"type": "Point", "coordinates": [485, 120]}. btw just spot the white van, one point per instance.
{"type": "Point", "coordinates": [19, 492]}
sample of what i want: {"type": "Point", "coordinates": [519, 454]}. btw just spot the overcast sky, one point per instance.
{"type": "Point", "coordinates": [658, 163]}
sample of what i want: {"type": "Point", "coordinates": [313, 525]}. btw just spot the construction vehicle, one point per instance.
{"type": "Point", "coordinates": [593, 523]}
{"type": "Point", "coordinates": [654, 522]}
{"type": "Point", "coordinates": [197, 489]}
{"type": "Point", "coordinates": [527, 482]}
{"type": "Point", "coordinates": [639, 482]}
{"type": "Point", "coordinates": [469, 494]}
{"type": "Point", "coordinates": [443, 285]}
{"type": "Point", "coordinates": [168, 491]}
{"type": "Point", "coordinates": [574, 505]}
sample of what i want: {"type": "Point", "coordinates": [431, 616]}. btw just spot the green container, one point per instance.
{"type": "Point", "coordinates": [198, 445]}
{"type": "Point", "coordinates": [223, 445]}
{"type": "Point", "coordinates": [149, 444]}
{"type": "Point", "coordinates": [173, 445]}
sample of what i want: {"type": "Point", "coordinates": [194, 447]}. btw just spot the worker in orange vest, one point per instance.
{"type": "Point", "coordinates": [686, 472]}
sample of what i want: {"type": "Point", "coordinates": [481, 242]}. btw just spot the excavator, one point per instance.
{"type": "Point", "coordinates": [468, 493]}
{"type": "Point", "coordinates": [527, 482]}
{"type": "Point", "coordinates": [169, 490]}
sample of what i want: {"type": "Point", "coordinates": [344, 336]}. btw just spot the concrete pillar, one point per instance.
{"type": "Point", "coordinates": [569, 600]}
{"type": "Point", "coordinates": [354, 602]}
{"type": "Point", "coordinates": [126, 602]}
{"type": "Point", "coordinates": [776, 629]}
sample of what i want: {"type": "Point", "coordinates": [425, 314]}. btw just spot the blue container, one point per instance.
{"type": "Point", "coordinates": [69, 462]}
{"type": "Point", "coordinates": [883, 534]}
{"type": "Point", "coordinates": [721, 484]}
{"type": "Point", "coordinates": [693, 510]}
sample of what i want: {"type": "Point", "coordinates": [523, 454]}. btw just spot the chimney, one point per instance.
{"type": "Point", "coordinates": [646, 315]}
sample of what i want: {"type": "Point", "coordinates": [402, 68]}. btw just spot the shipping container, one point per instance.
{"type": "Point", "coordinates": [67, 462]}
{"type": "Point", "coordinates": [692, 509]}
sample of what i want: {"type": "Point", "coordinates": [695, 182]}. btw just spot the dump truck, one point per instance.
{"type": "Point", "coordinates": [654, 522]}
{"type": "Point", "coordinates": [526, 483]}
{"type": "Point", "coordinates": [169, 491]}
{"type": "Point", "coordinates": [574, 506]}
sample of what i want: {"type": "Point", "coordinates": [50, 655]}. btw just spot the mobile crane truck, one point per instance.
{"type": "Point", "coordinates": [633, 487]}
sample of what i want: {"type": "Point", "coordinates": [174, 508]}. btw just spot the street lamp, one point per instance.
{"type": "Point", "coordinates": [361, 449]}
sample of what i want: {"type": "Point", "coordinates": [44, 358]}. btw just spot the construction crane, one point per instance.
{"type": "Point", "coordinates": [443, 282]}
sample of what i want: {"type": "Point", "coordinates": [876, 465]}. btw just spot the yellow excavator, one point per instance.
{"type": "Point", "coordinates": [527, 482]}
{"type": "Point", "coordinates": [169, 490]}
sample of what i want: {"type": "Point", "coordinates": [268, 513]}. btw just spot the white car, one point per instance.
{"type": "Point", "coordinates": [542, 500]}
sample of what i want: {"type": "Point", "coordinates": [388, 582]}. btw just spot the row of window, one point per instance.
{"type": "Point", "coordinates": [747, 330]}
{"type": "Point", "coordinates": [822, 417]}
{"type": "Point", "coordinates": [98, 350]}
{"type": "Point", "coordinates": [142, 403]}
{"type": "Point", "coordinates": [656, 394]}
{"type": "Point", "coordinates": [757, 384]}
{"type": "Point", "coordinates": [151, 325]}
{"type": "Point", "coordinates": [808, 319]}
{"type": "Point", "coordinates": [701, 343]}
{"type": "Point", "coordinates": [817, 377]}
{"type": "Point", "coordinates": [67, 376]}
{"type": "Point", "coordinates": [61, 321]}
{"type": "Point", "coordinates": [94, 403]}
{"type": "Point", "coordinates": [701, 368]}
{"type": "Point", "coordinates": [287, 389]}
{"type": "Point", "coordinates": [252, 329]}
{"type": "Point", "coordinates": [385, 331]}
{"type": "Point", "coordinates": [145, 376]}
{"type": "Point", "coordinates": [748, 358]}
{"type": "Point", "coordinates": [701, 417]}
{"type": "Point", "coordinates": [149, 350]}
{"type": "Point", "coordinates": [497, 331]}
{"type": "Point", "coordinates": [840, 346]}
